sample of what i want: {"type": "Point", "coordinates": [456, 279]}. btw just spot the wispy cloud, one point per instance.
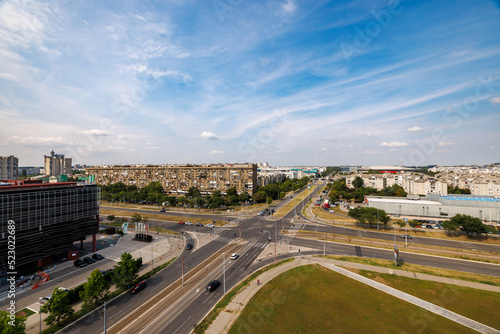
{"type": "Point", "coordinates": [414, 129]}
{"type": "Point", "coordinates": [393, 144]}
{"type": "Point", "coordinates": [216, 152]}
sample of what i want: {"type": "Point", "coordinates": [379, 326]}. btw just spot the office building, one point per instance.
{"type": "Point", "coordinates": [48, 217]}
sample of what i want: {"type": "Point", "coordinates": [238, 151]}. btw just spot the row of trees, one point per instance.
{"type": "Point", "coordinates": [340, 191]}
{"type": "Point", "coordinates": [278, 190]}
{"type": "Point", "coordinates": [369, 215]}
{"type": "Point", "coordinates": [93, 292]}
{"type": "Point", "coordinates": [457, 190]}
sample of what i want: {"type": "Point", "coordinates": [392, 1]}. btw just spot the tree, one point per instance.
{"type": "Point", "coordinates": [401, 224]}
{"type": "Point", "coordinates": [12, 326]}
{"type": "Point", "coordinates": [449, 226]}
{"type": "Point", "coordinates": [111, 217]}
{"type": "Point", "coordinates": [232, 192]}
{"type": "Point", "coordinates": [193, 192]}
{"type": "Point", "coordinates": [413, 223]}
{"type": "Point", "coordinates": [469, 224]}
{"type": "Point", "coordinates": [136, 218]}
{"type": "Point", "coordinates": [259, 197]}
{"type": "Point", "coordinates": [58, 307]}
{"type": "Point", "coordinates": [94, 290]}
{"type": "Point", "coordinates": [269, 200]}
{"type": "Point", "coordinates": [145, 220]}
{"type": "Point", "coordinates": [125, 272]}
{"type": "Point", "coordinates": [358, 182]}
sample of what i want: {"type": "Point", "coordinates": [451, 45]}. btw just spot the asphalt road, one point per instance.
{"type": "Point", "coordinates": [179, 315]}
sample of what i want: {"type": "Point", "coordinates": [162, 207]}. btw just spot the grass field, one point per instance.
{"type": "Point", "coordinates": [475, 304]}
{"type": "Point", "coordinates": [296, 200]}
{"type": "Point", "coordinates": [491, 280]}
{"type": "Point", "coordinates": [168, 217]}
{"type": "Point", "coordinates": [313, 299]}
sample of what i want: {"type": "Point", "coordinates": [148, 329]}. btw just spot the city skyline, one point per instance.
{"type": "Point", "coordinates": [287, 82]}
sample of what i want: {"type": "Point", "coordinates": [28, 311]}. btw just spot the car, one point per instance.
{"type": "Point", "coordinates": [88, 260]}
{"type": "Point", "coordinates": [162, 210]}
{"type": "Point", "coordinates": [428, 226]}
{"type": "Point", "coordinates": [188, 223]}
{"type": "Point", "coordinates": [79, 263]}
{"type": "Point", "coordinates": [406, 236]}
{"type": "Point", "coordinates": [181, 222]}
{"type": "Point", "coordinates": [213, 285]}
{"type": "Point", "coordinates": [210, 225]}
{"type": "Point", "coordinates": [138, 287]}
{"type": "Point", "coordinates": [97, 257]}
{"type": "Point", "coordinates": [272, 211]}
{"type": "Point", "coordinates": [199, 224]}
{"type": "Point", "coordinates": [189, 246]}
{"type": "Point", "coordinates": [234, 256]}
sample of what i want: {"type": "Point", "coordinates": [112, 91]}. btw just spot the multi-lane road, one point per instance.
{"type": "Point", "coordinates": [168, 306]}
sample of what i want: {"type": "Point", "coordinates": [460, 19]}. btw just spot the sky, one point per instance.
{"type": "Point", "coordinates": [286, 82]}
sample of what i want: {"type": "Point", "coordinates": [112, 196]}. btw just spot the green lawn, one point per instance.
{"type": "Point", "coordinates": [313, 299]}
{"type": "Point", "coordinates": [475, 304]}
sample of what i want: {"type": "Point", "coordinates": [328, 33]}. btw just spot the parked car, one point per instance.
{"type": "Point", "coordinates": [428, 226]}
{"type": "Point", "coordinates": [162, 210]}
{"type": "Point", "coordinates": [213, 285]}
{"type": "Point", "coordinates": [97, 257]}
{"type": "Point", "coordinates": [189, 246]}
{"type": "Point", "coordinates": [181, 222]}
{"type": "Point", "coordinates": [234, 256]}
{"type": "Point", "coordinates": [199, 224]}
{"type": "Point", "coordinates": [188, 223]}
{"type": "Point", "coordinates": [79, 263]}
{"type": "Point", "coordinates": [88, 260]}
{"type": "Point", "coordinates": [138, 287]}
{"type": "Point", "coordinates": [406, 236]}
{"type": "Point", "coordinates": [210, 225]}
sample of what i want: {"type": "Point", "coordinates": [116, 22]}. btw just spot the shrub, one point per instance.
{"type": "Point", "coordinates": [110, 230]}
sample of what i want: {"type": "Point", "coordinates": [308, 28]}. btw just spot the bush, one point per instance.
{"type": "Point", "coordinates": [110, 230]}
{"type": "Point", "coordinates": [111, 217]}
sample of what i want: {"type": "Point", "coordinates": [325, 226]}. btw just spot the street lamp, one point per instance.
{"type": "Point", "coordinates": [224, 270]}
{"type": "Point", "coordinates": [40, 313]}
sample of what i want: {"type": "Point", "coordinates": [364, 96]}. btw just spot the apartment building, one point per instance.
{"type": "Point", "coordinates": [9, 167]}
{"type": "Point", "coordinates": [57, 164]}
{"type": "Point", "coordinates": [412, 183]}
{"type": "Point", "coordinates": [177, 179]}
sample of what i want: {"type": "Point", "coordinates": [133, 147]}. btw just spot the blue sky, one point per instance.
{"type": "Point", "coordinates": [288, 82]}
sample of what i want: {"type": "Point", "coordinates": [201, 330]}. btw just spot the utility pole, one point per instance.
{"type": "Point", "coordinates": [182, 270]}
{"type": "Point", "coordinates": [152, 262]}
{"type": "Point", "coordinates": [40, 313]}
{"type": "Point", "coordinates": [324, 245]}
{"type": "Point", "coordinates": [104, 317]}
{"type": "Point", "coordinates": [275, 241]}
{"type": "Point", "coordinates": [240, 230]}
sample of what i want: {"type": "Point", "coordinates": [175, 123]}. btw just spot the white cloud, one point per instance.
{"type": "Point", "coordinates": [393, 144]}
{"type": "Point", "coordinates": [216, 152]}
{"type": "Point", "coordinates": [283, 150]}
{"type": "Point", "coordinates": [288, 7]}
{"type": "Point", "coordinates": [323, 149]}
{"type": "Point", "coordinates": [145, 70]}
{"type": "Point", "coordinates": [414, 129]}
{"type": "Point", "coordinates": [495, 100]}
{"type": "Point", "coordinates": [96, 132]}
{"type": "Point", "coordinates": [444, 144]}
{"type": "Point", "coordinates": [209, 136]}
{"type": "Point", "coordinates": [36, 140]}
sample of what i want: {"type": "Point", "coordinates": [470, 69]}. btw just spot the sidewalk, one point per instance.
{"type": "Point", "coordinates": [228, 316]}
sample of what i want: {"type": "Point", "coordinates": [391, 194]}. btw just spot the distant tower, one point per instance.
{"type": "Point", "coordinates": [56, 164]}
